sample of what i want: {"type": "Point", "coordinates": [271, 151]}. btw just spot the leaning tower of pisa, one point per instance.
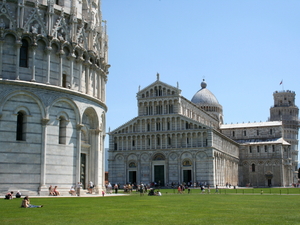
{"type": "Point", "coordinates": [53, 74]}
{"type": "Point", "coordinates": [285, 110]}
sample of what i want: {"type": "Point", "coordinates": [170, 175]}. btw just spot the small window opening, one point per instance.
{"type": "Point", "coordinates": [24, 54]}
{"type": "Point", "coordinates": [62, 130]}
{"type": "Point", "coordinates": [253, 167]}
{"type": "Point", "coordinates": [20, 127]}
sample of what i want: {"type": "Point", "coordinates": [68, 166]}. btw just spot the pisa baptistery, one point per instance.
{"type": "Point", "coordinates": [53, 74]}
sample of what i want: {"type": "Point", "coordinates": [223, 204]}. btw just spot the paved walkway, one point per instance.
{"type": "Point", "coordinates": [73, 196]}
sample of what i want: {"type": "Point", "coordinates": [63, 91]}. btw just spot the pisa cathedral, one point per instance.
{"type": "Point", "coordinates": [53, 74]}
{"type": "Point", "coordinates": [175, 140]}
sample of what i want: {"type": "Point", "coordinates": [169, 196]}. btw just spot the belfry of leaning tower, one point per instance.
{"type": "Point", "coordinates": [53, 74]}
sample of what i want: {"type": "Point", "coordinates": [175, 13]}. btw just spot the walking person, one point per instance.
{"type": "Point", "coordinates": [116, 187]}
{"type": "Point", "coordinates": [217, 189]}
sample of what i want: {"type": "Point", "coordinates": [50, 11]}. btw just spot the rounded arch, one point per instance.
{"type": "Point", "coordinates": [28, 38]}
{"type": "Point", "coordinates": [12, 34]}
{"type": "Point", "coordinates": [85, 56]}
{"type": "Point", "coordinates": [90, 118]}
{"type": "Point", "coordinates": [186, 162]}
{"type": "Point", "coordinates": [132, 157]}
{"type": "Point", "coordinates": [26, 93]}
{"type": "Point", "coordinates": [186, 154]}
{"type": "Point", "coordinates": [55, 43]}
{"type": "Point", "coordinates": [67, 50]}
{"type": "Point", "coordinates": [63, 114]}
{"type": "Point", "coordinates": [43, 39]}
{"type": "Point", "coordinates": [70, 102]}
{"type": "Point", "coordinates": [22, 109]}
{"type": "Point", "coordinates": [132, 164]}
{"type": "Point", "coordinates": [158, 157]}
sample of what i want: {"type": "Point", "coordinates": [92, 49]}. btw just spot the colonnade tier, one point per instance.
{"type": "Point", "coordinates": [61, 64]}
{"type": "Point", "coordinates": [161, 141]}
{"type": "Point", "coordinates": [162, 123]}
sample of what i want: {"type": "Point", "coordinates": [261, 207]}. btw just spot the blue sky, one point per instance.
{"type": "Point", "coordinates": [243, 49]}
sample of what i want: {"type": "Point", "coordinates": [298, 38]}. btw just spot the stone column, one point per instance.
{"type": "Point", "coordinates": [94, 81]}
{"type": "Point", "coordinates": [122, 143]}
{"type": "Point", "coordinates": [194, 179]}
{"type": "Point", "coordinates": [60, 76]}
{"type": "Point", "coordinates": [43, 188]}
{"type": "Point", "coordinates": [201, 139]}
{"type": "Point", "coordinates": [103, 90]}
{"type": "Point", "coordinates": [96, 152]}
{"type": "Point", "coordinates": [20, 14]}
{"type": "Point", "coordinates": [78, 151]}
{"type": "Point", "coordinates": [99, 85]}
{"type": "Point", "coordinates": [1, 58]}
{"type": "Point", "coordinates": [125, 169]}
{"type": "Point", "coordinates": [34, 46]}
{"type": "Point", "coordinates": [80, 61]}
{"type": "Point", "coordinates": [87, 77]}
{"type": "Point", "coordinates": [48, 53]}
{"type": "Point", "coordinates": [71, 58]}
{"type": "Point", "coordinates": [18, 47]}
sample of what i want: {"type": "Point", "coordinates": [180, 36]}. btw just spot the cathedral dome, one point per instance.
{"type": "Point", "coordinates": [205, 97]}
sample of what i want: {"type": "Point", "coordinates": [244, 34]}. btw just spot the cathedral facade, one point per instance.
{"type": "Point", "coordinates": [174, 140]}
{"type": "Point", "coordinates": [53, 74]}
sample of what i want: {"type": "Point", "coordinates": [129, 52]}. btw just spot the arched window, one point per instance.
{"type": "Point", "coordinates": [159, 157]}
{"type": "Point", "coordinates": [158, 126]}
{"type": "Point", "coordinates": [186, 162]}
{"type": "Point", "coordinates": [132, 165]}
{"type": "Point", "coordinates": [253, 167]}
{"type": "Point", "coordinates": [158, 141]}
{"type": "Point", "coordinates": [62, 130]}
{"type": "Point", "coordinates": [21, 127]}
{"type": "Point", "coordinates": [170, 108]}
{"type": "Point", "coordinates": [148, 127]}
{"type": "Point", "coordinates": [64, 80]}
{"type": "Point", "coordinates": [24, 54]}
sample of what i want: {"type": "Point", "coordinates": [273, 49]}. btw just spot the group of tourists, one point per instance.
{"type": "Point", "coordinates": [53, 191]}
{"type": "Point", "coordinates": [9, 195]}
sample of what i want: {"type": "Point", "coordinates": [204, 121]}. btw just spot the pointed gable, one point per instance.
{"type": "Point", "coordinates": [158, 89]}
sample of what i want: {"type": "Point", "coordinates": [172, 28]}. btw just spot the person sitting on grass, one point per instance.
{"type": "Point", "coordinates": [51, 192]}
{"type": "Point", "coordinates": [72, 190]}
{"type": "Point", "coordinates": [90, 188]}
{"type": "Point", "coordinates": [56, 192]}
{"type": "Point", "coordinates": [26, 203]}
{"type": "Point", "coordinates": [9, 195]}
{"type": "Point", "coordinates": [18, 195]}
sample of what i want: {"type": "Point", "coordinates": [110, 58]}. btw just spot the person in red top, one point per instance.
{"type": "Point", "coordinates": [179, 189]}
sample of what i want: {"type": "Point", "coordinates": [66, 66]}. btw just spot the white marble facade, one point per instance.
{"type": "Point", "coordinates": [174, 140]}
{"type": "Point", "coordinates": [53, 73]}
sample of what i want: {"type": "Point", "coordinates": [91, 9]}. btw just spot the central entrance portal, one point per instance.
{"type": "Point", "coordinates": [187, 176]}
{"type": "Point", "coordinates": [132, 177]}
{"type": "Point", "coordinates": [159, 175]}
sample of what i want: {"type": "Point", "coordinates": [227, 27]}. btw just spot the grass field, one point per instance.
{"type": "Point", "coordinates": [240, 206]}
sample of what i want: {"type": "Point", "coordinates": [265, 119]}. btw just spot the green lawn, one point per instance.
{"type": "Point", "coordinates": [230, 207]}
